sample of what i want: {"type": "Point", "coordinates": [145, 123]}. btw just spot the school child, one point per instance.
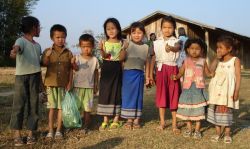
{"type": "Point", "coordinates": [193, 99]}
{"type": "Point", "coordinates": [85, 80]}
{"type": "Point", "coordinates": [58, 78]}
{"type": "Point", "coordinates": [137, 60]}
{"type": "Point", "coordinates": [166, 50]}
{"type": "Point", "coordinates": [27, 53]}
{"type": "Point", "coordinates": [224, 88]}
{"type": "Point", "coordinates": [109, 103]}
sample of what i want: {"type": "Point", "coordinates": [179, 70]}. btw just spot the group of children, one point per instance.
{"type": "Point", "coordinates": [127, 66]}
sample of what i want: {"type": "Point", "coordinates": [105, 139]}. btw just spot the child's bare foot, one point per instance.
{"type": "Point", "coordinates": [176, 131]}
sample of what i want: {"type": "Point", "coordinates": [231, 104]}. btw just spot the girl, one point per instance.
{"type": "Point", "coordinates": [166, 52]}
{"type": "Point", "coordinates": [192, 101]}
{"type": "Point", "coordinates": [133, 77]}
{"type": "Point", "coordinates": [224, 88]}
{"type": "Point", "coordinates": [109, 103]}
{"type": "Point", "coordinates": [27, 53]}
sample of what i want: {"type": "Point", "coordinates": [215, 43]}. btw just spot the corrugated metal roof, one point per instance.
{"type": "Point", "coordinates": [188, 21]}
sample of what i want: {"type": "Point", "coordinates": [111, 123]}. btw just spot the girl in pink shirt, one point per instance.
{"type": "Point", "coordinates": [193, 99]}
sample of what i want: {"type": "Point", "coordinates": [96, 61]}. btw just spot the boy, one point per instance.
{"type": "Point", "coordinates": [85, 78]}
{"type": "Point", "coordinates": [58, 77]}
{"type": "Point", "coordinates": [28, 72]}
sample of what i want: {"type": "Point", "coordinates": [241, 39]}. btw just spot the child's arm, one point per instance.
{"type": "Point", "coordinates": [151, 68]}
{"type": "Point", "coordinates": [69, 85]}
{"type": "Point", "coordinates": [46, 56]}
{"type": "Point", "coordinates": [147, 71]}
{"type": "Point", "coordinates": [102, 51]}
{"type": "Point", "coordinates": [238, 79]}
{"type": "Point", "coordinates": [73, 63]}
{"type": "Point", "coordinates": [180, 74]}
{"type": "Point", "coordinates": [213, 65]}
{"type": "Point", "coordinates": [14, 51]}
{"type": "Point", "coordinates": [207, 71]}
{"type": "Point", "coordinates": [175, 48]}
{"type": "Point", "coordinates": [96, 81]}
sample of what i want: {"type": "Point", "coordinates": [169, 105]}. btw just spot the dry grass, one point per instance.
{"type": "Point", "coordinates": [147, 137]}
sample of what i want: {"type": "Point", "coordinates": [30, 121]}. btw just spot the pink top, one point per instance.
{"type": "Point", "coordinates": [194, 73]}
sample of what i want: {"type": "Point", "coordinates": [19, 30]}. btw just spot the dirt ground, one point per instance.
{"type": "Point", "coordinates": [147, 137]}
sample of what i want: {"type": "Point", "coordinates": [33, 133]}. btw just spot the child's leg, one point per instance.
{"type": "Point", "coordinates": [86, 119]}
{"type": "Point", "coordinates": [116, 119]}
{"type": "Point", "coordinates": [105, 119]}
{"type": "Point", "coordinates": [32, 121]}
{"type": "Point", "coordinates": [59, 120]}
{"type": "Point", "coordinates": [218, 130]}
{"type": "Point", "coordinates": [189, 125]}
{"type": "Point", "coordinates": [174, 122]}
{"type": "Point", "coordinates": [227, 131]}
{"type": "Point", "coordinates": [51, 120]}
{"type": "Point", "coordinates": [162, 116]}
{"type": "Point", "coordinates": [197, 126]}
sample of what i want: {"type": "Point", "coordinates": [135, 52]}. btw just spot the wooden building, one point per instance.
{"type": "Point", "coordinates": [208, 33]}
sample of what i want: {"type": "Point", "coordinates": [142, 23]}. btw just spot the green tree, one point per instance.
{"type": "Point", "coordinates": [11, 13]}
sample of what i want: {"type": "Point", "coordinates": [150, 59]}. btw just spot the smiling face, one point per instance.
{"type": "Point", "coordinates": [59, 38]}
{"type": "Point", "coordinates": [86, 48]}
{"type": "Point", "coordinates": [137, 35]}
{"type": "Point", "coordinates": [111, 30]}
{"type": "Point", "coordinates": [194, 50]}
{"type": "Point", "coordinates": [167, 29]}
{"type": "Point", "coordinates": [222, 49]}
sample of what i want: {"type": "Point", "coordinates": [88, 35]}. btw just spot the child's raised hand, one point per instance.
{"type": "Point", "coordinates": [48, 53]}
{"type": "Point", "coordinates": [125, 45]}
{"type": "Point", "coordinates": [100, 45]}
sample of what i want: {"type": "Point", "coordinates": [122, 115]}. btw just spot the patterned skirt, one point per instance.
{"type": "Point", "coordinates": [132, 94]}
{"type": "Point", "coordinates": [220, 115]}
{"type": "Point", "coordinates": [109, 103]}
{"type": "Point", "coordinates": [192, 104]}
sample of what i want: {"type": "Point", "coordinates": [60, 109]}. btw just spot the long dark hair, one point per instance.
{"type": "Point", "coordinates": [171, 20]}
{"type": "Point", "coordinates": [117, 25]}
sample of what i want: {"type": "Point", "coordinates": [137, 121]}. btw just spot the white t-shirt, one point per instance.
{"type": "Point", "coordinates": [162, 57]}
{"type": "Point", "coordinates": [84, 76]}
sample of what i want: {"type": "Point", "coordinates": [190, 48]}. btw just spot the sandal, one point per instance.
{"type": "Point", "coordinates": [197, 135]}
{"type": "Point", "coordinates": [50, 135]}
{"type": "Point", "coordinates": [176, 131]}
{"type": "Point", "coordinates": [104, 126]}
{"type": "Point", "coordinates": [136, 126]}
{"type": "Point", "coordinates": [187, 134]}
{"type": "Point", "coordinates": [114, 126]}
{"type": "Point", "coordinates": [215, 138]}
{"type": "Point", "coordinates": [31, 140]}
{"type": "Point", "coordinates": [18, 141]}
{"type": "Point", "coordinates": [128, 125]}
{"type": "Point", "coordinates": [161, 127]}
{"type": "Point", "coordinates": [58, 135]}
{"type": "Point", "coordinates": [228, 139]}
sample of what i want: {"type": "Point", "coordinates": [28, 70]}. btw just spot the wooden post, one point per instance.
{"type": "Point", "coordinates": [208, 47]}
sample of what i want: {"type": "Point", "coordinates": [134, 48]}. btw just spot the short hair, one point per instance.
{"type": "Point", "coordinates": [138, 25]}
{"type": "Point", "coordinates": [57, 27]}
{"type": "Point", "coordinates": [181, 31]}
{"type": "Point", "coordinates": [152, 34]}
{"type": "Point", "coordinates": [27, 24]}
{"type": "Point", "coordinates": [87, 37]}
{"type": "Point", "coordinates": [117, 25]}
{"type": "Point", "coordinates": [198, 41]}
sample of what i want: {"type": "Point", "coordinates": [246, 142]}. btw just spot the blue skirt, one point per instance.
{"type": "Point", "coordinates": [192, 104]}
{"type": "Point", "coordinates": [132, 93]}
